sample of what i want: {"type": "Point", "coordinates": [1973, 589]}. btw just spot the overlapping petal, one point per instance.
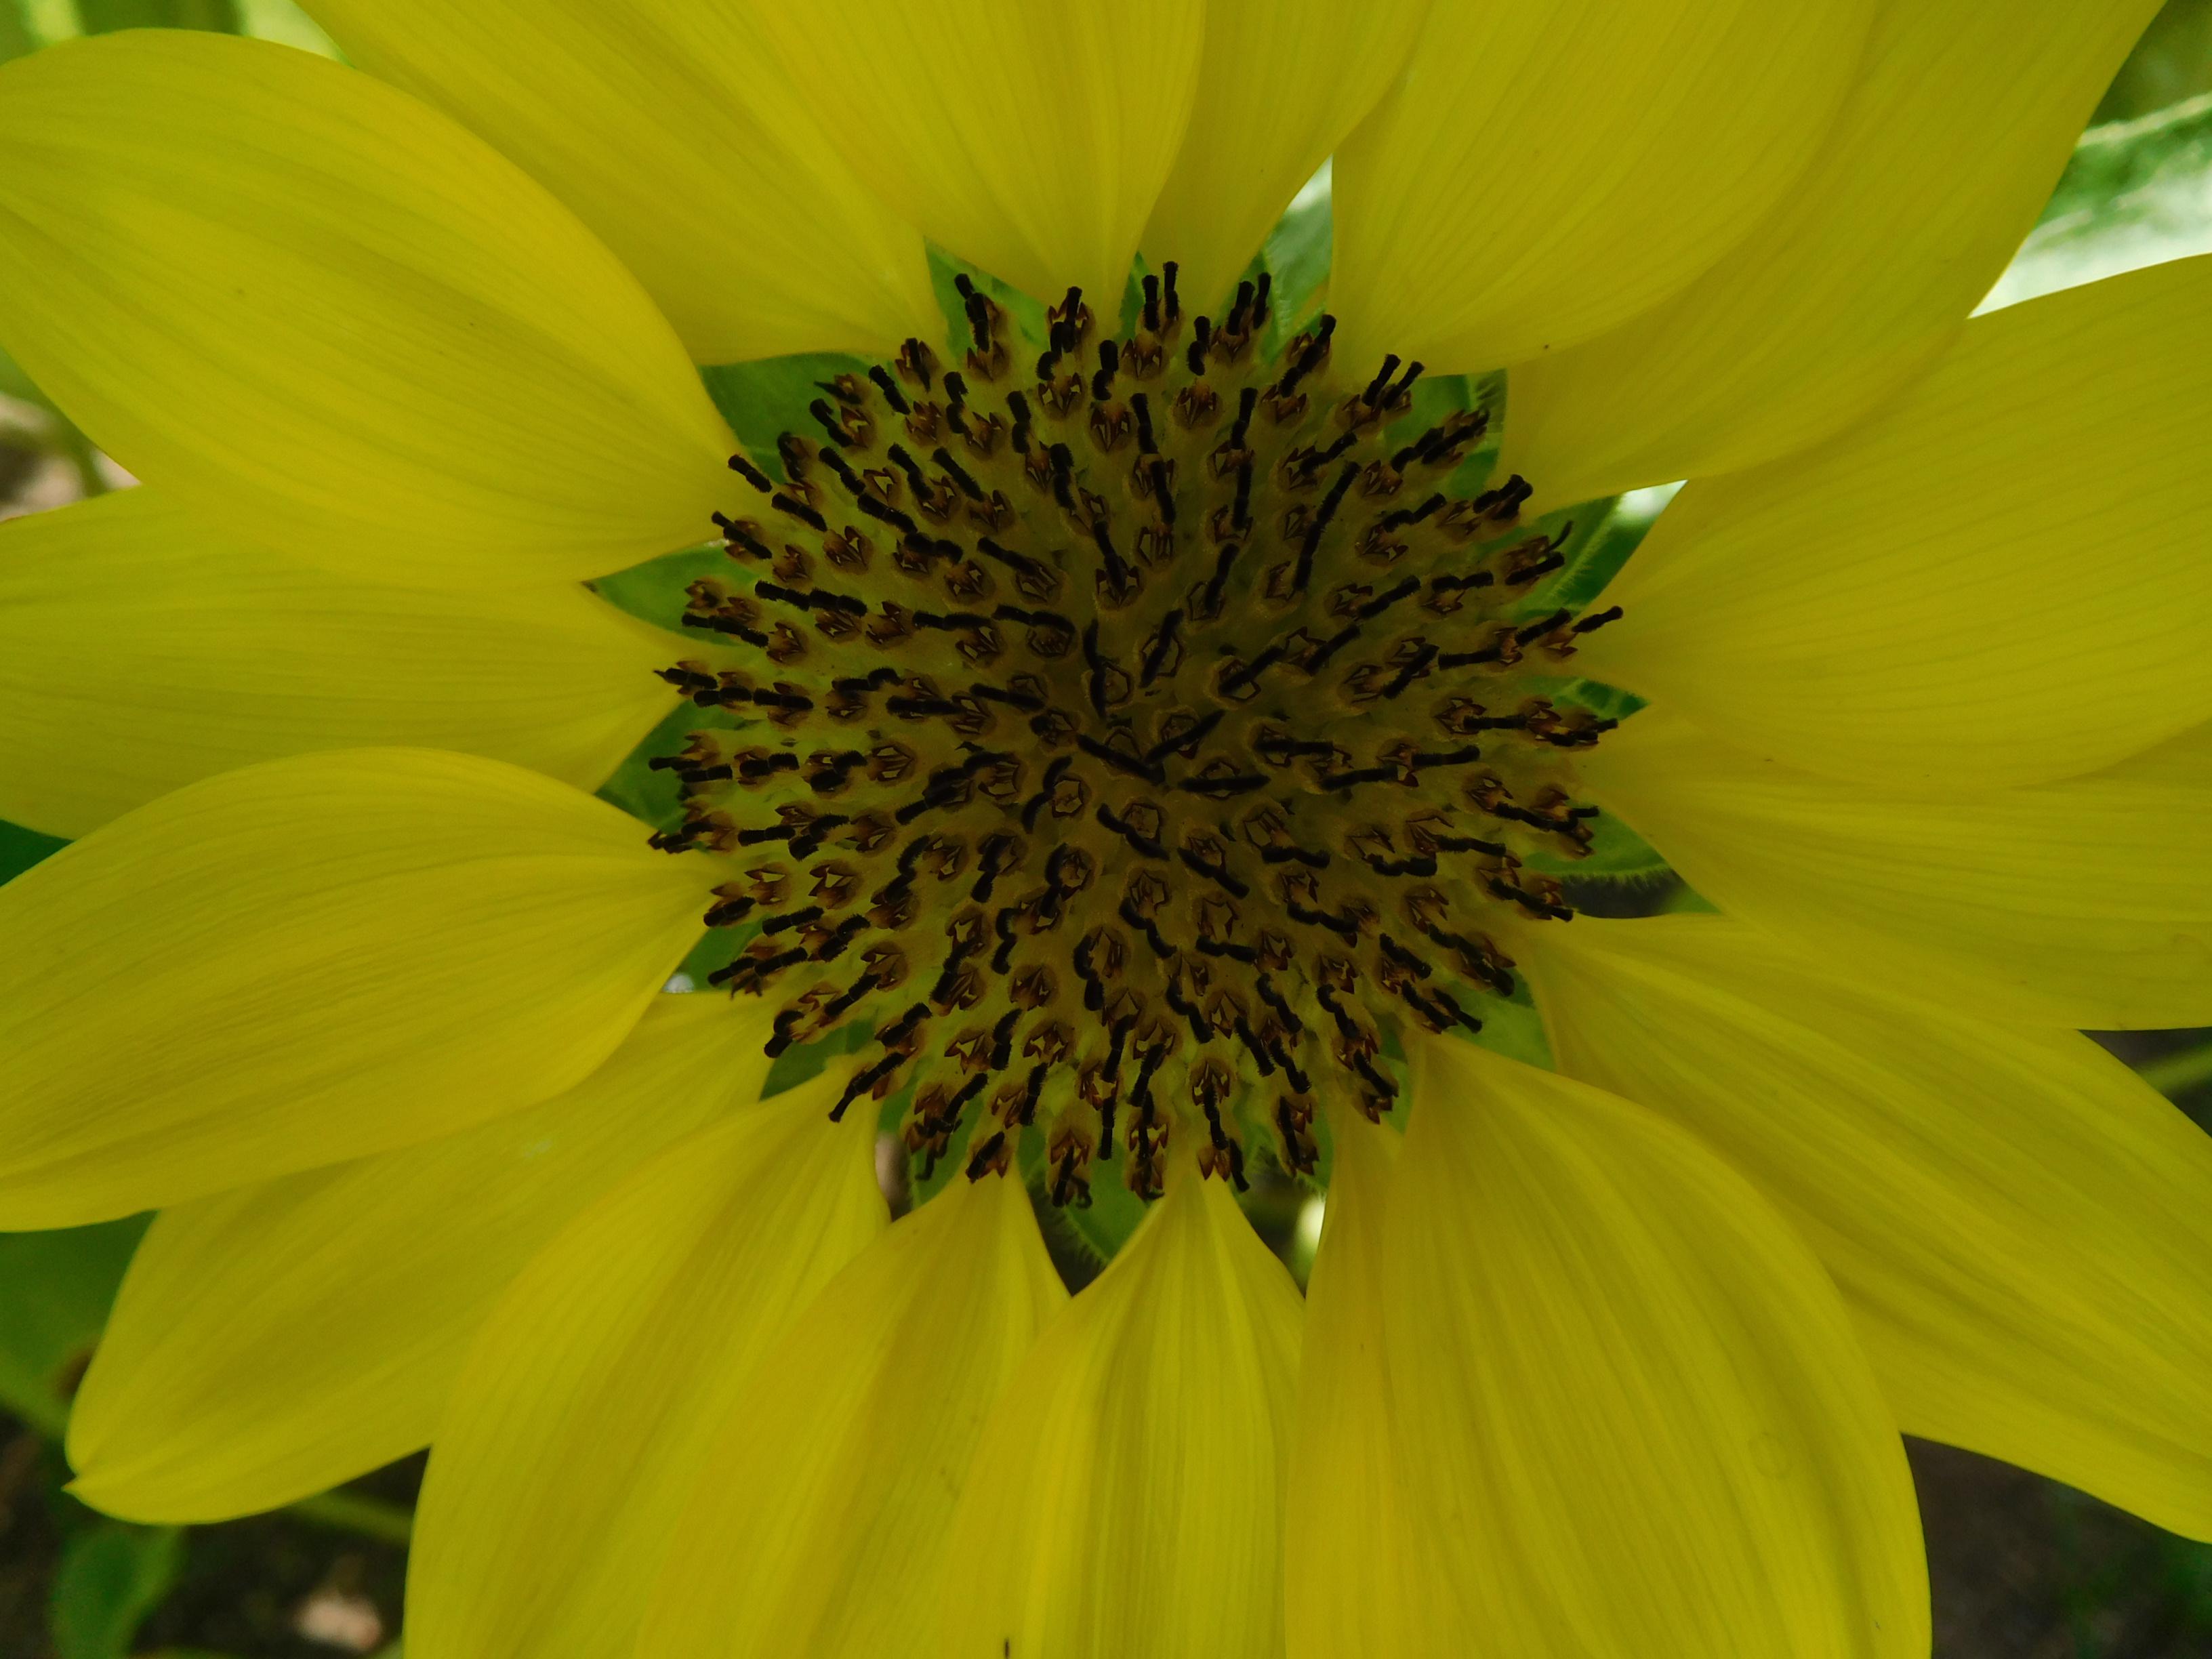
{"type": "Point", "coordinates": [1551, 168]}
{"type": "Point", "coordinates": [668, 129]}
{"type": "Point", "coordinates": [1030, 139]}
{"type": "Point", "coordinates": [276, 1341]}
{"type": "Point", "coordinates": [1639, 1419]}
{"type": "Point", "coordinates": [1999, 579]}
{"type": "Point", "coordinates": [820, 1522]}
{"type": "Point", "coordinates": [1957, 123]}
{"type": "Point", "coordinates": [312, 960]}
{"type": "Point", "coordinates": [331, 320]}
{"type": "Point", "coordinates": [1279, 86]}
{"type": "Point", "coordinates": [1125, 1502]}
{"type": "Point", "coordinates": [575, 1430]}
{"type": "Point", "coordinates": [141, 650]}
{"type": "Point", "coordinates": [1348, 1544]}
{"type": "Point", "coordinates": [2021, 1228]}
{"type": "Point", "coordinates": [2085, 904]}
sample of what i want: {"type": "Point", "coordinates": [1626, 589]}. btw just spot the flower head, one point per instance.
{"type": "Point", "coordinates": [1157, 732]}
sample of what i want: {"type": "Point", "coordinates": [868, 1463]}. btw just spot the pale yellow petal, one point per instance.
{"type": "Point", "coordinates": [1641, 1421]}
{"type": "Point", "coordinates": [1281, 83]}
{"type": "Point", "coordinates": [1125, 1502]}
{"type": "Point", "coordinates": [2021, 1227]}
{"type": "Point", "coordinates": [276, 1341]}
{"type": "Point", "coordinates": [1030, 139]}
{"type": "Point", "coordinates": [1348, 1538]}
{"type": "Point", "coordinates": [1551, 168]}
{"type": "Point", "coordinates": [140, 650]}
{"type": "Point", "coordinates": [665, 127]}
{"type": "Point", "coordinates": [336, 322]}
{"type": "Point", "coordinates": [1956, 125]}
{"type": "Point", "coordinates": [2086, 903]}
{"type": "Point", "coordinates": [1999, 579]}
{"type": "Point", "coordinates": [576, 1432]}
{"type": "Point", "coordinates": [819, 1524]}
{"type": "Point", "coordinates": [310, 960]}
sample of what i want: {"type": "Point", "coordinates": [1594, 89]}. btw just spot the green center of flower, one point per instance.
{"type": "Point", "coordinates": [1143, 728]}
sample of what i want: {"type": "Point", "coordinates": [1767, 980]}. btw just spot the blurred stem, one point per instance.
{"type": "Point", "coordinates": [2175, 1072]}
{"type": "Point", "coordinates": [372, 1517]}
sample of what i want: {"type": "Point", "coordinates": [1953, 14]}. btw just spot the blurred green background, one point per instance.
{"type": "Point", "coordinates": [2023, 1568]}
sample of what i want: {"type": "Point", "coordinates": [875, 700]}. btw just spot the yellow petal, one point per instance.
{"type": "Point", "coordinates": [335, 323]}
{"type": "Point", "coordinates": [1551, 168]}
{"type": "Point", "coordinates": [1999, 579]}
{"type": "Point", "coordinates": [1279, 86]}
{"type": "Point", "coordinates": [667, 130]}
{"type": "Point", "coordinates": [1957, 125]}
{"type": "Point", "coordinates": [1030, 139]}
{"type": "Point", "coordinates": [141, 650]}
{"type": "Point", "coordinates": [276, 1341]}
{"type": "Point", "coordinates": [2086, 903]}
{"type": "Point", "coordinates": [1348, 1538]}
{"type": "Point", "coordinates": [2022, 1227]}
{"type": "Point", "coordinates": [575, 1434]}
{"type": "Point", "coordinates": [310, 960]}
{"type": "Point", "coordinates": [1641, 1419]}
{"type": "Point", "coordinates": [819, 1525]}
{"type": "Point", "coordinates": [1126, 1500]}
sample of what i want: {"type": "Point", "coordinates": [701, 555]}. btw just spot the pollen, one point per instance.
{"type": "Point", "coordinates": [1136, 729]}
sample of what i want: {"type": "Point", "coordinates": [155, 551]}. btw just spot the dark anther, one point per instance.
{"type": "Point", "coordinates": [1310, 359]}
{"type": "Point", "coordinates": [1120, 762]}
{"type": "Point", "coordinates": [1201, 336]}
{"type": "Point", "coordinates": [1536, 631]}
{"type": "Point", "coordinates": [1406, 515]}
{"type": "Point", "coordinates": [1063, 476]}
{"type": "Point", "coordinates": [1216, 873]}
{"type": "Point", "coordinates": [1109, 363]}
{"type": "Point", "coordinates": [957, 473]}
{"type": "Point", "coordinates": [1223, 789]}
{"type": "Point", "coordinates": [1420, 660]}
{"type": "Point", "coordinates": [1168, 269]}
{"type": "Point", "coordinates": [798, 510]}
{"type": "Point", "coordinates": [827, 419]}
{"type": "Point", "coordinates": [1117, 574]}
{"type": "Point", "coordinates": [752, 475]}
{"type": "Point", "coordinates": [1591, 624]}
{"type": "Point", "coordinates": [1374, 393]}
{"type": "Point", "coordinates": [863, 1082]}
{"type": "Point", "coordinates": [1152, 304]}
{"type": "Point", "coordinates": [956, 398]}
{"type": "Point", "coordinates": [979, 311]}
{"type": "Point", "coordinates": [1239, 308]}
{"type": "Point", "coordinates": [888, 387]}
{"type": "Point", "coordinates": [886, 514]}
{"type": "Point", "coordinates": [1421, 865]}
{"type": "Point", "coordinates": [1237, 678]}
{"type": "Point", "coordinates": [1247, 401]}
{"type": "Point", "coordinates": [1186, 738]}
{"type": "Point", "coordinates": [1162, 643]}
{"type": "Point", "coordinates": [1312, 542]}
{"type": "Point", "coordinates": [1143, 844]}
{"type": "Point", "coordinates": [1141, 407]}
{"type": "Point", "coordinates": [1095, 681]}
{"type": "Point", "coordinates": [1222, 947]}
{"type": "Point", "coordinates": [1018, 406]}
{"type": "Point", "coordinates": [1374, 608]}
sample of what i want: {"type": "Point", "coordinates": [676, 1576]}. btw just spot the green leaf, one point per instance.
{"type": "Point", "coordinates": [111, 1576]}
{"type": "Point", "coordinates": [15, 37]}
{"type": "Point", "coordinates": [102, 16]}
{"type": "Point", "coordinates": [20, 848]}
{"type": "Point", "coordinates": [54, 1291]}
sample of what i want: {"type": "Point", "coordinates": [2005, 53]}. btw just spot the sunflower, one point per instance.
{"type": "Point", "coordinates": [1140, 739]}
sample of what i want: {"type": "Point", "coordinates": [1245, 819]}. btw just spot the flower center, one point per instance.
{"type": "Point", "coordinates": [1142, 728]}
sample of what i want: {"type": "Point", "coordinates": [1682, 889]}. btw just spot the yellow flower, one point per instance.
{"type": "Point", "coordinates": [1118, 723]}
